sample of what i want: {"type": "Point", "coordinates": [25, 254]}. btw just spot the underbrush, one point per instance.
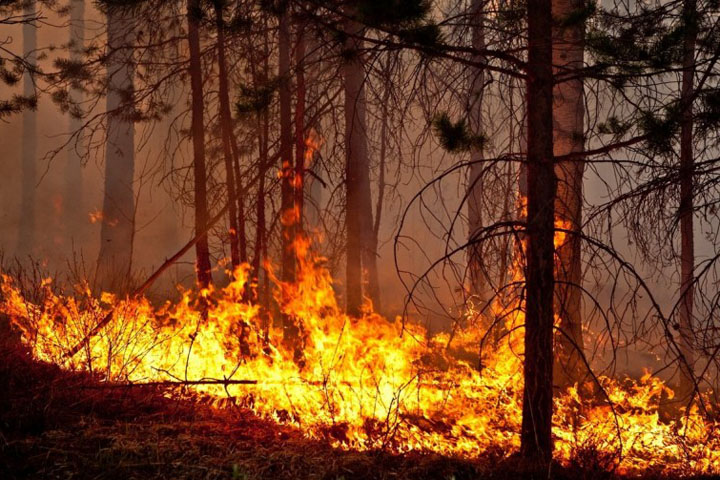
{"type": "Point", "coordinates": [56, 424]}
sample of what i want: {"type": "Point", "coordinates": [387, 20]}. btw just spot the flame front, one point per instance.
{"type": "Point", "coordinates": [365, 383]}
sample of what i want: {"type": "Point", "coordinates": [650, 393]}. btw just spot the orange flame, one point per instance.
{"type": "Point", "coordinates": [366, 382]}
{"type": "Point", "coordinates": [95, 216]}
{"type": "Point", "coordinates": [313, 142]}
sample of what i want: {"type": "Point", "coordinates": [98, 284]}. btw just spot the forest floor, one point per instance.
{"type": "Point", "coordinates": [62, 425]}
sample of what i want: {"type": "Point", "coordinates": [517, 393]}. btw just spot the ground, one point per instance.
{"type": "Point", "coordinates": [62, 425]}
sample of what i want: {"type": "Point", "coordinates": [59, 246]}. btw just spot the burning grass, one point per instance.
{"type": "Point", "coordinates": [362, 385]}
{"type": "Point", "coordinates": [57, 424]}
{"type": "Point", "coordinates": [60, 424]}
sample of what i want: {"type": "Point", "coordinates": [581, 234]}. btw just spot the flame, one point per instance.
{"type": "Point", "coordinates": [95, 216]}
{"type": "Point", "coordinates": [364, 383]}
{"type": "Point", "coordinates": [561, 234]}
{"type": "Point", "coordinates": [313, 142]}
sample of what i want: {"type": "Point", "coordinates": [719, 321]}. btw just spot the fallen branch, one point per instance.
{"type": "Point", "coordinates": [173, 383]}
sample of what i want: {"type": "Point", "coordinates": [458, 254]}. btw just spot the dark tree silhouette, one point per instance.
{"type": "Point", "coordinates": [536, 439]}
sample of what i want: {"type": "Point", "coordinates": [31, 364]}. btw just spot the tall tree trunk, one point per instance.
{"type": "Point", "coordinates": [260, 228]}
{"type": "Point", "coordinates": [263, 130]}
{"type": "Point", "coordinates": [357, 175]}
{"type": "Point", "coordinates": [477, 270]}
{"type": "Point", "coordinates": [291, 332]}
{"type": "Point", "coordinates": [300, 146]}
{"type": "Point", "coordinates": [260, 204]}
{"type": "Point", "coordinates": [242, 234]}
{"type": "Point", "coordinates": [536, 441]}
{"type": "Point", "coordinates": [227, 136]}
{"type": "Point", "coordinates": [373, 274]}
{"type": "Point", "coordinates": [26, 238]}
{"type": "Point", "coordinates": [75, 212]}
{"type": "Point", "coordinates": [685, 212]}
{"type": "Point", "coordinates": [569, 137]}
{"type": "Point", "coordinates": [202, 249]}
{"type": "Point", "coordinates": [312, 186]}
{"type": "Point", "coordinates": [369, 249]}
{"type": "Point", "coordinates": [286, 150]}
{"type": "Point", "coordinates": [118, 221]}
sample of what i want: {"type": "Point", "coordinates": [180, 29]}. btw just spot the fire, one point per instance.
{"type": "Point", "coordinates": [365, 382]}
{"type": "Point", "coordinates": [95, 216]}
{"type": "Point", "coordinates": [313, 142]}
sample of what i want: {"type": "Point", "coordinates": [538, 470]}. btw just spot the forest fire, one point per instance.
{"type": "Point", "coordinates": [408, 239]}
{"type": "Point", "coordinates": [363, 383]}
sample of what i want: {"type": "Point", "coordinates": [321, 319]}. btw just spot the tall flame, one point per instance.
{"type": "Point", "coordinates": [365, 382]}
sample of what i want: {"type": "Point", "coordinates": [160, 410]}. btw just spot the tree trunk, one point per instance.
{"type": "Point", "coordinates": [357, 176]}
{"type": "Point", "coordinates": [118, 220]}
{"type": "Point", "coordinates": [300, 146]}
{"type": "Point", "coordinates": [286, 151]}
{"type": "Point", "coordinates": [312, 185]}
{"type": "Point", "coordinates": [685, 212]}
{"type": "Point", "coordinates": [202, 248]}
{"type": "Point", "coordinates": [263, 130]}
{"type": "Point", "coordinates": [478, 288]}
{"type": "Point", "coordinates": [369, 249]}
{"type": "Point", "coordinates": [569, 137]}
{"type": "Point", "coordinates": [260, 206]}
{"type": "Point", "coordinates": [227, 136]}
{"type": "Point", "coordinates": [373, 274]}
{"type": "Point", "coordinates": [26, 238]}
{"type": "Point", "coordinates": [536, 441]}
{"type": "Point", "coordinates": [242, 235]}
{"type": "Point", "coordinates": [291, 332]}
{"type": "Point", "coordinates": [76, 219]}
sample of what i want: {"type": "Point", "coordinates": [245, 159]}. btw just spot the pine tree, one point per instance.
{"type": "Point", "coordinates": [117, 229]}
{"type": "Point", "coordinates": [202, 250]}
{"type": "Point", "coordinates": [535, 434]}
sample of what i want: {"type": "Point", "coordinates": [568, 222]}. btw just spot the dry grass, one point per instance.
{"type": "Point", "coordinates": [64, 425]}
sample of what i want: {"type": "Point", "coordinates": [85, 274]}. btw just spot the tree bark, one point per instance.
{"type": "Point", "coordinates": [569, 137]}
{"type": "Point", "coordinates": [312, 185]}
{"type": "Point", "coordinates": [76, 214]}
{"type": "Point", "coordinates": [373, 273]}
{"type": "Point", "coordinates": [260, 206]}
{"type": "Point", "coordinates": [286, 151]}
{"type": "Point", "coordinates": [291, 332]}
{"type": "Point", "coordinates": [357, 175]}
{"type": "Point", "coordinates": [26, 237]}
{"type": "Point", "coordinates": [118, 216]}
{"type": "Point", "coordinates": [263, 130]}
{"type": "Point", "coordinates": [536, 441]}
{"type": "Point", "coordinates": [227, 137]}
{"type": "Point", "coordinates": [239, 188]}
{"type": "Point", "coordinates": [300, 135]}
{"type": "Point", "coordinates": [478, 287]}
{"type": "Point", "coordinates": [685, 211]}
{"type": "Point", "coordinates": [202, 249]}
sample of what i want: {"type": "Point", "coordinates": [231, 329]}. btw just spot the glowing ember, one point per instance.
{"type": "Point", "coordinates": [365, 383]}
{"type": "Point", "coordinates": [95, 216]}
